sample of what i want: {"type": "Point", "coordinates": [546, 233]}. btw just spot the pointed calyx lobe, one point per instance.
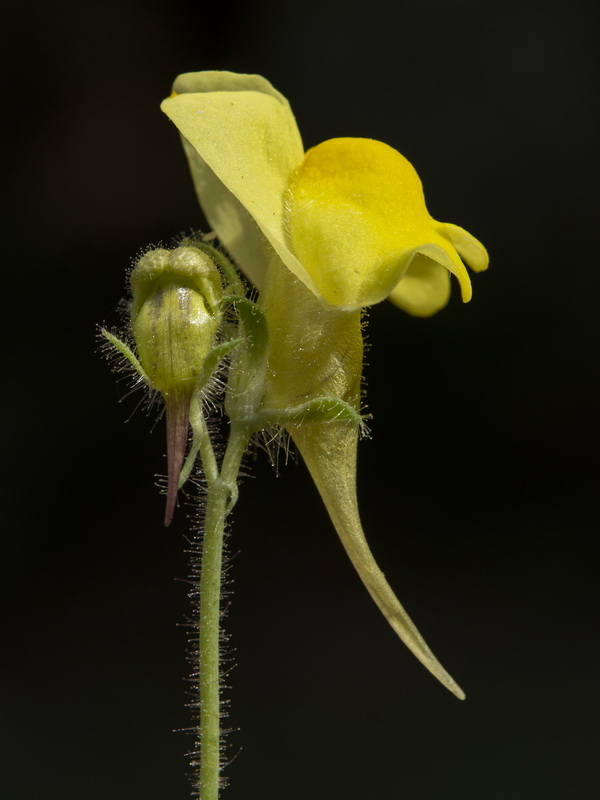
{"type": "Point", "coordinates": [175, 318]}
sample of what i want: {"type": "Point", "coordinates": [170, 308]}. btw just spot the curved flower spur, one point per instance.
{"type": "Point", "coordinates": [321, 234]}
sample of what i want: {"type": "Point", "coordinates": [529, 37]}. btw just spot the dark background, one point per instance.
{"type": "Point", "coordinates": [478, 488]}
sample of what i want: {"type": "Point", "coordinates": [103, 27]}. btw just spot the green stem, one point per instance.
{"type": "Point", "coordinates": [221, 497]}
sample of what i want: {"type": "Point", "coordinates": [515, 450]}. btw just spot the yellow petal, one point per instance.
{"type": "Point", "coordinates": [356, 220]}
{"type": "Point", "coordinates": [242, 143]}
{"type": "Point", "coordinates": [472, 252]}
{"type": "Point", "coordinates": [424, 288]}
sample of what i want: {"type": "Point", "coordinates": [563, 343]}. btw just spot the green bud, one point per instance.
{"type": "Point", "coordinates": [175, 317]}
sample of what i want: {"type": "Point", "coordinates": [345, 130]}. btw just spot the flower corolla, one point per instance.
{"type": "Point", "coordinates": [347, 218]}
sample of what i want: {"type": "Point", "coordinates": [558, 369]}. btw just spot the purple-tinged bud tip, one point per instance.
{"type": "Point", "coordinates": [178, 415]}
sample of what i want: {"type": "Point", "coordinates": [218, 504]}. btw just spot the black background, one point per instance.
{"type": "Point", "coordinates": [478, 488]}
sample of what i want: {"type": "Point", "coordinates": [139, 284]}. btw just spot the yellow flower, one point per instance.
{"type": "Point", "coordinates": [322, 234]}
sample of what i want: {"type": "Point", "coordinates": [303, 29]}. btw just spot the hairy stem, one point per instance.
{"type": "Point", "coordinates": [221, 496]}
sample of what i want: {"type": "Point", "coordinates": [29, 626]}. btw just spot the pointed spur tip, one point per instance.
{"type": "Point", "coordinates": [456, 690]}
{"type": "Point", "coordinates": [436, 669]}
{"type": "Point", "coordinates": [417, 645]}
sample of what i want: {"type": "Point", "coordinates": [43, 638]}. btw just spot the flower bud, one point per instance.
{"type": "Point", "coordinates": [175, 317]}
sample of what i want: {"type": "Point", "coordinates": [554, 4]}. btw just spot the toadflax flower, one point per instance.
{"type": "Point", "coordinates": [322, 235]}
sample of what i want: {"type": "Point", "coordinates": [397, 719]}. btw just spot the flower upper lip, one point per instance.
{"type": "Point", "coordinates": [252, 177]}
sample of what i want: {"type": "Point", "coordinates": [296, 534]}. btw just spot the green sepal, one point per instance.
{"type": "Point", "coordinates": [255, 330]}
{"type": "Point", "coordinates": [248, 373]}
{"type": "Point", "coordinates": [127, 353]}
{"type": "Point", "coordinates": [319, 410]}
{"type": "Point", "coordinates": [197, 436]}
{"type": "Point", "coordinates": [209, 367]}
{"type": "Point", "coordinates": [212, 361]}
